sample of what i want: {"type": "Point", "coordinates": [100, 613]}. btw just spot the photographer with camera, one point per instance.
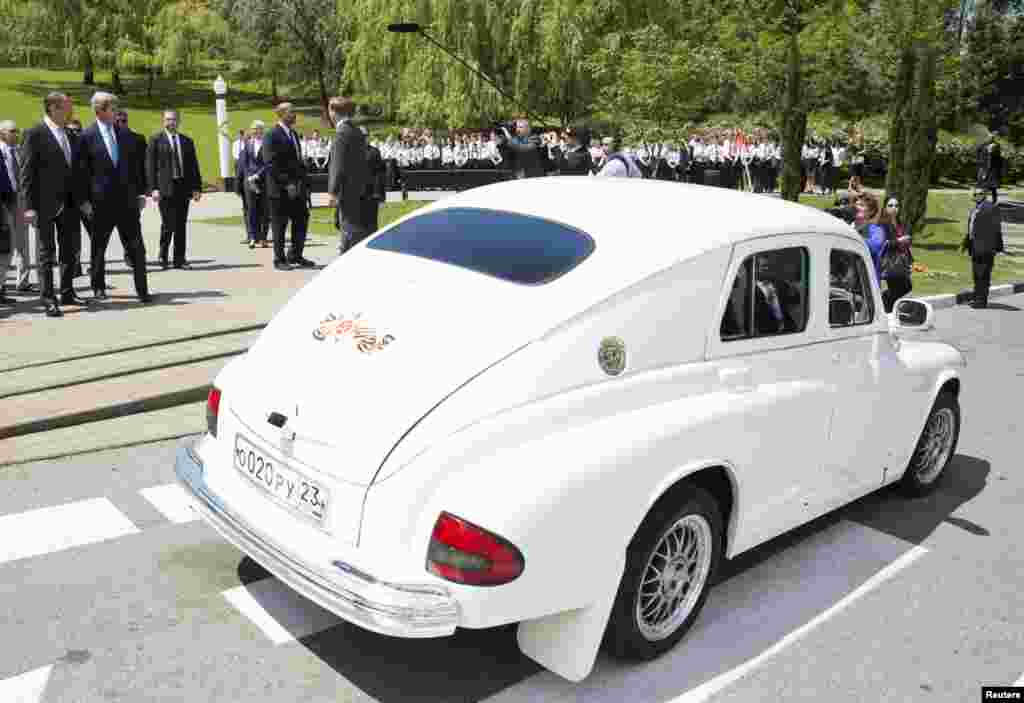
{"type": "Point", "coordinates": [526, 155]}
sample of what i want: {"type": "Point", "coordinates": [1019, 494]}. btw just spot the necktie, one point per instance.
{"type": "Point", "coordinates": [14, 167]}
{"type": "Point", "coordinates": [112, 140]}
{"type": "Point", "coordinates": [176, 167]}
{"type": "Point", "coordinates": [64, 145]}
{"type": "Point", "coordinates": [295, 143]}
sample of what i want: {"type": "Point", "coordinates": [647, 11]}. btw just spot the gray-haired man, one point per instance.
{"type": "Point", "coordinates": [14, 207]}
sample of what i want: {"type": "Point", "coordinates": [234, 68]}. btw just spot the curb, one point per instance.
{"type": "Point", "coordinates": [949, 300]}
{"type": "Point", "coordinates": [64, 454]}
{"type": "Point", "coordinates": [161, 401]}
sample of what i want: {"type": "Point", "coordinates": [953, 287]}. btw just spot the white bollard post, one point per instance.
{"type": "Point", "coordinates": [220, 88]}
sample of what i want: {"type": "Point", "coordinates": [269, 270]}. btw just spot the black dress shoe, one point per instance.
{"type": "Point", "coordinates": [146, 299]}
{"type": "Point", "coordinates": [979, 306]}
{"type": "Point", "coordinates": [164, 265]}
{"type": "Point", "coordinates": [52, 309]}
{"type": "Point", "coordinates": [73, 299]}
{"type": "Point", "coordinates": [304, 263]}
{"type": "Point", "coordinates": [282, 266]}
{"type": "Point", "coordinates": [28, 288]}
{"type": "Point", "coordinates": [183, 265]}
{"type": "Point", "coordinates": [99, 295]}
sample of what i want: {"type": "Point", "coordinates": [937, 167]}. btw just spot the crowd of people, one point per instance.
{"type": "Point", "coordinates": [59, 180]}
{"type": "Point", "coordinates": [724, 157]}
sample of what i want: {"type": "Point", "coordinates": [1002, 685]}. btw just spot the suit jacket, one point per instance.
{"type": "Point", "coordinates": [48, 183]}
{"type": "Point", "coordinates": [527, 158]}
{"type": "Point", "coordinates": [348, 169]}
{"type": "Point", "coordinates": [110, 186]}
{"type": "Point", "coordinates": [985, 233]}
{"type": "Point", "coordinates": [576, 162]}
{"type": "Point", "coordinates": [376, 186]}
{"type": "Point", "coordinates": [251, 164]}
{"type": "Point", "coordinates": [284, 164]}
{"type": "Point", "coordinates": [160, 168]}
{"type": "Point", "coordinates": [8, 190]}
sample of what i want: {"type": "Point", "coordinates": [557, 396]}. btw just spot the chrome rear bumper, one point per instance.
{"type": "Point", "coordinates": [396, 609]}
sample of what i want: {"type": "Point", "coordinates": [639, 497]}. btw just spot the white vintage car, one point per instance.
{"type": "Point", "coordinates": [562, 402]}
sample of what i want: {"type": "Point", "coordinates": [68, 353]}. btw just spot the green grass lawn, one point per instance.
{"type": "Point", "coordinates": [22, 91]}
{"type": "Point", "coordinates": [321, 219]}
{"type": "Point", "coordinates": [937, 248]}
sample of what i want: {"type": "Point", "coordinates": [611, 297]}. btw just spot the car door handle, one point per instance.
{"type": "Point", "coordinates": [737, 379]}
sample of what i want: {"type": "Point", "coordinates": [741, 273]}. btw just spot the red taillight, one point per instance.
{"type": "Point", "coordinates": [464, 553]}
{"type": "Point", "coordinates": [212, 410]}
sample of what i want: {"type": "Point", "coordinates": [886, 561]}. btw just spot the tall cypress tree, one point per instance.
{"type": "Point", "coordinates": [895, 177]}
{"type": "Point", "coordinates": [921, 130]}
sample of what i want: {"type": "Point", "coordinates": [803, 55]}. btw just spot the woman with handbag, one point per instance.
{"type": "Point", "coordinates": [895, 262]}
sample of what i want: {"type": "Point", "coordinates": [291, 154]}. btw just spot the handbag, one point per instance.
{"type": "Point", "coordinates": [896, 261]}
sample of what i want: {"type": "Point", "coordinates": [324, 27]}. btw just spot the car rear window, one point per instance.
{"type": "Point", "coordinates": [506, 245]}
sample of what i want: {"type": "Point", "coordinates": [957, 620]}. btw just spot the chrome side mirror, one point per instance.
{"type": "Point", "coordinates": [910, 313]}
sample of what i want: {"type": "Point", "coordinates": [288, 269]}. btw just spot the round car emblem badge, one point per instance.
{"type": "Point", "coordinates": [612, 355]}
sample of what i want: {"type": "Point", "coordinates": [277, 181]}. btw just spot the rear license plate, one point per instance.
{"type": "Point", "coordinates": [280, 482]}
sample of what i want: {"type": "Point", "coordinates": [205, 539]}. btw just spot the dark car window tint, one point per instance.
{"type": "Point", "coordinates": [768, 295]}
{"type": "Point", "coordinates": [506, 245]}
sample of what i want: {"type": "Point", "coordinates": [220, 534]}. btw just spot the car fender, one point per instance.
{"type": "Point", "coordinates": [573, 523]}
{"type": "Point", "coordinates": [935, 364]}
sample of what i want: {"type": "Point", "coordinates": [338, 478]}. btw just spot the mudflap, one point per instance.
{"type": "Point", "coordinates": [567, 642]}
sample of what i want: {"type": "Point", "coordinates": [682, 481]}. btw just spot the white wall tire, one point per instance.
{"type": "Point", "coordinates": [670, 567]}
{"type": "Point", "coordinates": [935, 447]}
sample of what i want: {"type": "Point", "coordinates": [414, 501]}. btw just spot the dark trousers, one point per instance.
{"type": "Point", "coordinates": [63, 232]}
{"type": "Point", "coordinates": [129, 228]}
{"type": "Point", "coordinates": [282, 211]}
{"type": "Point", "coordinates": [256, 224]}
{"type": "Point", "coordinates": [371, 215]}
{"type": "Point", "coordinates": [895, 288]}
{"type": "Point", "coordinates": [982, 266]}
{"type": "Point", "coordinates": [173, 216]}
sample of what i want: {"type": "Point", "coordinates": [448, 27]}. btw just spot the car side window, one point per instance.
{"type": "Point", "coordinates": [850, 299]}
{"type": "Point", "coordinates": [769, 295]}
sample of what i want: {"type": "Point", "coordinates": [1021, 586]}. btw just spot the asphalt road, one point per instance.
{"type": "Point", "coordinates": [109, 592]}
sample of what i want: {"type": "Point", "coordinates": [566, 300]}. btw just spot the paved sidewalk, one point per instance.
{"type": "Point", "coordinates": [229, 286]}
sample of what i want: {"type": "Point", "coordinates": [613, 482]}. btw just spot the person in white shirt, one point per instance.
{"type": "Point", "coordinates": [238, 145]}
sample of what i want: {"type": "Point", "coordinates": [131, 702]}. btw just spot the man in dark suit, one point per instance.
{"type": "Point", "coordinates": [983, 241]}
{"type": "Point", "coordinates": [116, 188]}
{"type": "Point", "coordinates": [51, 187]}
{"type": "Point", "coordinates": [287, 188]}
{"type": "Point", "coordinates": [524, 152]}
{"type": "Point", "coordinates": [121, 120]}
{"type": "Point", "coordinates": [252, 184]}
{"type": "Point", "coordinates": [990, 166]}
{"type": "Point", "coordinates": [172, 176]}
{"type": "Point", "coordinates": [348, 174]}
{"type": "Point", "coordinates": [575, 159]}
{"type": "Point", "coordinates": [376, 188]}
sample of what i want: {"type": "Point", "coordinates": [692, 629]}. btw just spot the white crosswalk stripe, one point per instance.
{"type": "Point", "coordinates": [279, 612]}
{"type": "Point", "coordinates": [171, 501]}
{"type": "Point", "coordinates": [60, 527]}
{"type": "Point", "coordinates": [26, 688]}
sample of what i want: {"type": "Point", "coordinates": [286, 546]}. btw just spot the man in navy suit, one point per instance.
{"type": "Point", "coordinates": [252, 183]}
{"type": "Point", "coordinates": [51, 189]}
{"type": "Point", "coordinates": [10, 166]}
{"type": "Point", "coordinates": [287, 189]}
{"type": "Point", "coordinates": [115, 186]}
